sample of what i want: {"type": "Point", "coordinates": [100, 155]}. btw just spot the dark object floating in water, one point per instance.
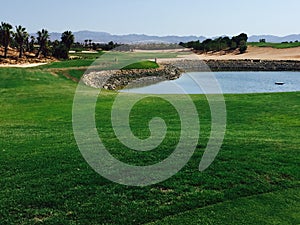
{"type": "Point", "coordinates": [279, 83]}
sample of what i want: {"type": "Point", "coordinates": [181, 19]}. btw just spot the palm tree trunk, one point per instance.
{"type": "Point", "coordinates": [5, 51]}
{"type": "Point", "coordinates": [21, 52]}
{"type": "Point", "coordinates": [38, 53]}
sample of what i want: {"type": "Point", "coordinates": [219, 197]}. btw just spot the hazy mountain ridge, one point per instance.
{"type": "Point", "coordinates": [105, 37]}
{"type": "Point", "coordinates": [275, 39]}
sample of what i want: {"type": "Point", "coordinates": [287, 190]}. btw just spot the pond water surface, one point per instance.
{"type": "Point", "coordinates": [228, 82]}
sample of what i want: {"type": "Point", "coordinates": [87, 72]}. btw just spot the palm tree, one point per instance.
{"type": "Point", "coordinates": [31, 43]}
{"type": "Point", "coordinates": [68, 39]}
{"type": "Point", "coordinates": [20, 37]}
{"type": "Point", "coordinates": [27, 44]}
{"type": "Point", "coordinates": [86, 41]}
{"type": "Point", "coordinates": [42, 40]}
{"type": "Point", "coordinates": [5, 36]}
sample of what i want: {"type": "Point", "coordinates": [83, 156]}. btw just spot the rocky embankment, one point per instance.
{"type": "Point", "coordinates": [25, 60]}
{"type": "Point", "coordinates": [28, 58]}
{"type": "Point", "coordinates": [115, 79]}
{"type": "Point", "coordinates": [238, 65]}
{"type": "Point", "coordinates": [253, 65]}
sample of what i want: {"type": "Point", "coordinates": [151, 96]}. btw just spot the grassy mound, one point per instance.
{"type": "Point", "coordinates": [142, 65]}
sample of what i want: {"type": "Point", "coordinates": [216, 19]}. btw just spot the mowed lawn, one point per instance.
{"type": "Point", "coordinates": [255, 179]}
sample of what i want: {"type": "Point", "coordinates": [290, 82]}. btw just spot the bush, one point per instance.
{"type": "Point", "coordinates": [243, 47]}
{"type": "Point", "coordinates": [60, 51]}
{"type": "Point", "coordinates": [219, 44]}
{"type": "Point", "coordinates": [233, 45]}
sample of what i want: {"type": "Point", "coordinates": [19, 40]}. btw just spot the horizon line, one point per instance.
{"type": "Point", "coordinates": [176, 35]}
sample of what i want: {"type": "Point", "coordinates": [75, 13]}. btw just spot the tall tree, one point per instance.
{"type": "Point", "coordinates": [68, 39]}
{"type": "Point", "coordinates": [243, 46]}
{"type": "Point", "coordinates": [42, 40]}
{"type": "Point", "coordinates": [31, 43]}
{"type": "Point", "coordinates": [5, 36]}
{"type": "Point", "coordinates": [20, 37]}
{"type": "Point", "coordinates": [27, 44]}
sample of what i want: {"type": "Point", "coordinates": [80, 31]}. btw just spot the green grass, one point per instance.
{"type": "Point", "coordinates": [72, 74]}
{"type": "Point", "coordinates": [87, 55]}
{"type": "Point", "coordinates": [275, 45]}
{"type": "Point", "coordinates": [68, 63]}
{"type": "Point", "coordinates": [74, 69]}
{"type": "Point", "coordinates": [142, 65]}
{"type": "Point", "coordinates": [87, 60]}
{"type": "Point", "coordinates": [44, 178]}
{"type": "Point", "coordinates": [281, 207]}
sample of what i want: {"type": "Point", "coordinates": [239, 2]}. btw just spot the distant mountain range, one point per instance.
{"type": "Point", "coordinates": [275, 39]}
{"type": "Point", "coordinates": [104, 37]}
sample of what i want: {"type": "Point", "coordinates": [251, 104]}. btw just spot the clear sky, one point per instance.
{"type": "Point", "coordinates": [157, 17]}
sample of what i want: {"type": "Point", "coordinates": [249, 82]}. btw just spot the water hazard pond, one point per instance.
{"type": "Point", "coordinates": [228, 82]}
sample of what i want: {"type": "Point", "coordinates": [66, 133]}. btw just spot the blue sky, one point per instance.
{"type": "Point", "coordinates": [157, 17]}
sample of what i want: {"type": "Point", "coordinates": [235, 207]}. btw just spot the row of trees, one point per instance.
{"type": "Point", "coordinates": [41, 44]}
{"type": "Point", "coordinates": [21, 40]}
{"type": "Point", "coordinates": [219, 44]}
{"type": "Point", "coordinates": [89, 44]}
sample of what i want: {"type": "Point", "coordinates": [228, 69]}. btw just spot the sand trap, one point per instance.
{"type": "Point", "coordinates": [259, 53]}
{"type": "Point", "coordinates": [262, 53]}
{"type": "Point", "coordinates": [27, 65]}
